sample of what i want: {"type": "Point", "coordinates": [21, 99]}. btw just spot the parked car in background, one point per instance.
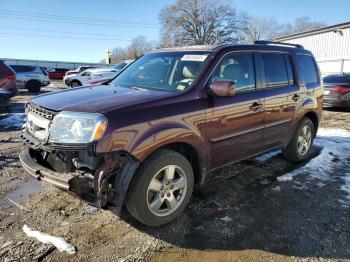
{"type": "Point", "coordinates": [121, 65]}
{"type": "Point", "coordinates": [57, 73]}
{"type": "Point", "coordinates": [337, 90]}
{"type": "Point", "coordinates": [8, 86]}
{"type": "Point", "coordinates": [153, 133]}
{"type": "Point", "coordinates": [31, 78]}
{"type": "Point", "coordinates": [78, 70]}
{"type": "Point", "coordinates": [7, 78]}
{"type": "Point", "coordinates": [105, 74]}
{"type": "Point", "coordinates": [78, 79]}
{"type": "Point", "coordinates": [97, 81]}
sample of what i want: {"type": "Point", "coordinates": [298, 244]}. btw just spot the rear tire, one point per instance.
{"type": "Point", "coordinates": [75, 83]}
{"type": "Point", "coordinates": [161, 188]}
{"type": "Point", "coordinates": [299, 149]}
{"type": "Point", "coordinates": [33, 86]}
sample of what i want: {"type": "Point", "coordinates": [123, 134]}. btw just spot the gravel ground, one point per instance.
{"type": "Point", "coordinates": [245, 213]}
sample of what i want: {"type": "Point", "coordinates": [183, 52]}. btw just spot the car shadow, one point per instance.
{"type": "Point", "coordinates": [252, 210]}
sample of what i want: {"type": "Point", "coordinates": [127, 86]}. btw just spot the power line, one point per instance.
{"type": "Point", "coordinates": [75, 20]}
{"type": "Point", "coordinates": [65, 37]}
{"type": "Point", "coordinates": [63, 32]}
{"type": "Point", "coordinates": [79, 18]}
{"type": "Point", "coordinates": [71, 22]}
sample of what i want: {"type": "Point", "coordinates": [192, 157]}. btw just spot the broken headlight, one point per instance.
{"type": "Point", "coordinates": [77, 128]}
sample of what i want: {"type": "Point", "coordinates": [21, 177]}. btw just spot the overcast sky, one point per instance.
{"type": "Point", "coordinates": [78, 30]}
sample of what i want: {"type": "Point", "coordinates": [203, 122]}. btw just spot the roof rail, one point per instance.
{"type": "Point", "coordinates": [263, 42]}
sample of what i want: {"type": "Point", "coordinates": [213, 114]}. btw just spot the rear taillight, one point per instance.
{"type": "Point", "coordinates": [11, 77]}
{"type": "Point", "coordinates": [340, 90]}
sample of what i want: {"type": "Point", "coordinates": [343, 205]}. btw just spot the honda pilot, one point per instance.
{"type": "Point", "coordinates": [146, 138]}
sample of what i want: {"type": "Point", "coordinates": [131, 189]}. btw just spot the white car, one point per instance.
{"type": "Point", "coordinates": [89, 74]}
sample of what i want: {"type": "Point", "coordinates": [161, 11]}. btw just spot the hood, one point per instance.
{"type": "Point", "coordinates": [93, 99]}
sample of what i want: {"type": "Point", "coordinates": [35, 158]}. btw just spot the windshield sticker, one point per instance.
{"type": "Point", "coordinates": [198, 58]}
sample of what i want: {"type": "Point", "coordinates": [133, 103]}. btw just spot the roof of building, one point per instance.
{"type": "Point", "coordinates": [314, 31]}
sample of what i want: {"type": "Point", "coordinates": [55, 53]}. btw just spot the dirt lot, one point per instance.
{"type": "Point", "coordinates": [263, 209]}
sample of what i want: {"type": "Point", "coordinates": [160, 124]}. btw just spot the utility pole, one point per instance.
{"type": "Point", "coordinates": [108, 57]}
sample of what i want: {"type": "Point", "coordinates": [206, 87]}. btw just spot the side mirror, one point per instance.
{"type": "Point", "coordinates": [223, 88]}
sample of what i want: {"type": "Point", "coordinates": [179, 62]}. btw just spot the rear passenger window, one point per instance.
{"type": "Point", "coordinates": [276, 69]}
{"type": "Point", "coordinates": [22, 69]}
{"type": "Point", "coordinates": [237, 68]}
{"type": "Point", "coordinates": [308, 69]}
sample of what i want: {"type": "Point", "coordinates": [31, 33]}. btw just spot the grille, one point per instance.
{"type": "Point", "coordinates": [43, 112]}
{"type": "Point", "coordinates": [38, 121]}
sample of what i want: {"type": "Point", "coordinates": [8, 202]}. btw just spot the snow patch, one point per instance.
{"type": "Point", "coordinates": [59, 242]}
{"type": "Point", "coordinates": [10, 121]}
{"type": "Point", "coordinates": [267, 155]}
{"type": "Point", "coordinates": [333, 162]}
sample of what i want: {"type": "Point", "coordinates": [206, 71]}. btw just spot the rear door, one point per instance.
{"type": "Point", "coordinates": [234, 125]}
{"type": "Point", "coordinates": [281, 94]}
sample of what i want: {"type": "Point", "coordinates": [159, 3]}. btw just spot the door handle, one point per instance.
{"type": "Point", "coordinates": [255, 106]}
{"type": "Point", "coordinates": [296, 97]}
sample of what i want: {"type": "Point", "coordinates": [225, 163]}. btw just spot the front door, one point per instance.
{"type": "Point", "coordinates": [234, 125]}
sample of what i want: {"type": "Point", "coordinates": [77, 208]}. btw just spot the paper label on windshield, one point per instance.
{"type": "Point", "coordinates": [198, 58]}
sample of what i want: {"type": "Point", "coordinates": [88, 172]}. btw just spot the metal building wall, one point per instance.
{"type": "Point", "coordinates": [49, 64]}
{"type": "Point", "coordinates": [331, 49]}
{"type": "Point", "coordinates": [328, 45]}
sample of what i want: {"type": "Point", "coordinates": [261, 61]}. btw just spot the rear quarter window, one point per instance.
{"type": "Point", "coordinates": [308, 69]}
{"type": "Point", "coordinates": [22, 68]}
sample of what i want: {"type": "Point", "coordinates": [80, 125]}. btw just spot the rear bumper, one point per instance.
{"type": "Point", "coordinates": [335, 102]}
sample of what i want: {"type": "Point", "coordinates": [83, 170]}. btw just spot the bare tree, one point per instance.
{"type": "Point", "coordinates": [200, 22]}
{"type": "Point", "coordinates": [304, 23]}
{"type": "Point", "coordinates": [137, 47]}
{"type": "Point", "coordinates": [259, 28]}
{"type": "Point", "coordinates": [301, 24]}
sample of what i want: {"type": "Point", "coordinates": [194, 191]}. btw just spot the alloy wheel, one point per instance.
{"type": "Point", "coordinates": [166, 191]}
{"type": "Point", "coordinates": [304, 140]}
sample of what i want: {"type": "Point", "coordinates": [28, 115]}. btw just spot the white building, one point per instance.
{"type": "Point", "coordinates": [330, 46]}
{"type": "Point", "coordinates": [50, 64]}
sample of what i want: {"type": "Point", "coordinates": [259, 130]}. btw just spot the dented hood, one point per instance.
{"type": "Point", "coordinates": [98, 98]}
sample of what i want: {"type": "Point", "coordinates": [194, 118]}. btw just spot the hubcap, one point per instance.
{"type": "Point", "coordinates": [304, 140]}
{"type": "Point", "coordinates": [167, 190]}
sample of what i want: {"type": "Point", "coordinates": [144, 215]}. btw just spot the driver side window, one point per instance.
{"type": "Point", "coordinates": [237, 68]}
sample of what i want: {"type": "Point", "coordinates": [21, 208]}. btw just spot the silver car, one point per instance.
{"type": "Point", "coordinates": [30, 77]}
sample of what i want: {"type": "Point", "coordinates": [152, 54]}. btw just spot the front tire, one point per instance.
{"type": "Point", "coordinates": [299, 149]}
{"type": "Point", "coordinates": [161, 188]}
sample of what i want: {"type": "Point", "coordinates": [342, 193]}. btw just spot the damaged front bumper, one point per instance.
{"type": "Point", "coordinates": [105, 185]}
{"type": "Point", "coordinates": [40, 172]}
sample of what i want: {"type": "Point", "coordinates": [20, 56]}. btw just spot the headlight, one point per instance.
{"type": "Point", "coordinates": [77, 128]}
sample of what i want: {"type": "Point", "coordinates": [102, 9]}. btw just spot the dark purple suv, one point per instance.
{"type": "Point", "coordinates": [147, 137]}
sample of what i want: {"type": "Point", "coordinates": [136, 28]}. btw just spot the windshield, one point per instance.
{"type": "Point", "coordinates": [170, 71]}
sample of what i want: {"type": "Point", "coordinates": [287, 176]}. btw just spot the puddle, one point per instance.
{"type": "Point", "coordinates": [25, 190]}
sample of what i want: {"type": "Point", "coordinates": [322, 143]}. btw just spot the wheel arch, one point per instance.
{"type": "Point", "coordinates": [191, 154]}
